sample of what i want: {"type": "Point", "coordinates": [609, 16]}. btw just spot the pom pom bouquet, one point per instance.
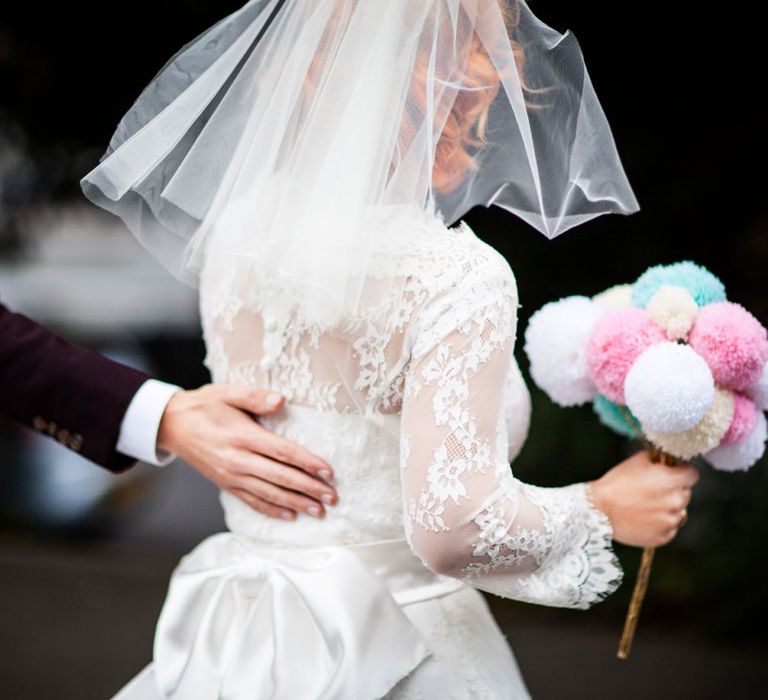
{"type": "Point", "coordinates": [668, 360]}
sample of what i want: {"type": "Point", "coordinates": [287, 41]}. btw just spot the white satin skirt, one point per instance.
{"type": "Point", "coordinates": [243, 620]}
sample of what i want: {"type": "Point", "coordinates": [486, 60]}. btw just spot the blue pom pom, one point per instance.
{"type": "Point", "coordinates": [618, 418]}
{"type": "Point", "coordinates": [704, 287]}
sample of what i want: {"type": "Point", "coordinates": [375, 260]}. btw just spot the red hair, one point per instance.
{"type": "Point", "coordinates": [465, 125]}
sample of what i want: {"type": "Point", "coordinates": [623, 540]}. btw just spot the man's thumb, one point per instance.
{"type": "Point", "coordinates": [259, 401]}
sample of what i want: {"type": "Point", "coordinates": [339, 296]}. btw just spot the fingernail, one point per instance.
{"type": "Point", "coordinates": [287, 514]}
{"type": "Point", "coordinates": [314, 510]}
{"type": "Point", "coordinates": [273, 398]}
{"type": "Point", "coordinates": [327, 498]}
{"type": "Point", "coordinates": [325, 474]}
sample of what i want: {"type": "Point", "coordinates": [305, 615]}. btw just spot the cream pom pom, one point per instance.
{"type": "Point", "coordinates": [669, 388]}
{"type": "Point", "coordinates": [555, 341]}
{"type": "Point", "coordinates": [674, 309]}
{"type": "Point", "coordinates": [617, 297]}
{"type": "Point", "coordinates": [703, 437]}
{"type": "Point", "coordinates": [758, 392]}
{"type": "Point", "coordinates": [742, 454]}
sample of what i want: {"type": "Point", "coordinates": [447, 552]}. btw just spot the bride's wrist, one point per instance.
{"type": "Point", "coordinates": [597, 498]}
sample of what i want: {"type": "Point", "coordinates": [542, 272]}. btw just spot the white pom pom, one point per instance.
{"type": "Point", "coordinates": [556, 343]}
{"type": "Point", "coordinates": [617, 297]}
{"type": "Point", "coordinates": [758, 392]}
{"type": "Point", "coordinates": [742, 454]}
{"type": "Point", "coordinates": [669, 387]}
{"type": "Point", "coordinates": [674, 309]}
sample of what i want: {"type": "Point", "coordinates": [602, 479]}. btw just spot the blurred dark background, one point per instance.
{"type": "Point", "coordinates": [85, 556]}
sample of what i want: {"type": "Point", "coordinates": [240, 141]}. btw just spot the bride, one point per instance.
{"type": "Point", "coordinates": [304, 162]}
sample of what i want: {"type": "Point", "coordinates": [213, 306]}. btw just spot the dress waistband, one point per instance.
{"type": "Point", "coordinates": [405, 575]}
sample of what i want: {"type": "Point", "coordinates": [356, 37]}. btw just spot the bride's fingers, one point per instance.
{"type": "Point", "coordinates": [290, 478]}
{"type": "Point", "coordinates": [677, 500]}
{"type": "Point", "coordinates": [685, 474]}
{"type": "Point", "coordinates": [279, 496]}
{"type": "Point", "coordinates": [667, 536]}
{"type": "Point", "coordinates": [262, 506]}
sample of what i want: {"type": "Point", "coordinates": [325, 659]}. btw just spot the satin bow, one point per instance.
{"type": "Point", "coordinates": [243, 620]}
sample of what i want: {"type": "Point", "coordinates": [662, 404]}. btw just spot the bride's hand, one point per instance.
{"type": "Point", "coordinates": [644, 501]}
{"type": "Point", "coordinates": [212, 428]}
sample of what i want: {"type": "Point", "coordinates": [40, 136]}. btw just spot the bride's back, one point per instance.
{"type": "Point", "coordinates": [344, 383]}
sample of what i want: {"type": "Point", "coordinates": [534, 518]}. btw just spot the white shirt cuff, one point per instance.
{"type": "Point", "coordinates": [141, 422]}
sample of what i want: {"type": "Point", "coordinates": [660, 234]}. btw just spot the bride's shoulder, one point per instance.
{"type": "Point", "coordinates": [462, 278]}
{"type": "Point", "coordinates": [444, 257]}
{"type": "Point", "coordinates": [478, 254]}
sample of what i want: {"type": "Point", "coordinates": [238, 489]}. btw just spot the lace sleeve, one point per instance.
{"type": "Point", "coordinates": [466, 515]}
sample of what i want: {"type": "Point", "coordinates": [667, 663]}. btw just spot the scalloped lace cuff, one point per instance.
{"type": "Point", "coordinates": [604, 569]}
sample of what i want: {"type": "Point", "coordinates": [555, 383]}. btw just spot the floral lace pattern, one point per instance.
{"type": "Point", "coordinates": [469, 517]}
{"type": "Point", "coordinates": [427, 372]}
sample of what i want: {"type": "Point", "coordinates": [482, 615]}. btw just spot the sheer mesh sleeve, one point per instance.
{"type": "Point", "coordinates": [466, 515]}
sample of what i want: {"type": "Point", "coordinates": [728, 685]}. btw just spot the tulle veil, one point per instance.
{"type": "Point", "coordinates": [275, 134]}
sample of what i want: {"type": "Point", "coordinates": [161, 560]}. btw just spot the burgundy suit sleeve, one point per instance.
{"type": "Point", "coordinates": [70, 393]}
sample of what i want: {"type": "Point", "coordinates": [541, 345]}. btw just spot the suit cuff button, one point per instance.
{"type": "Point", "coordinates": [76, 442]}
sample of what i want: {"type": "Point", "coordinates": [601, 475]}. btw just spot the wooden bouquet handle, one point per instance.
{"type": "Point", "coordinates": [636, 602]}
{"type": "Point", "coordinates": [643, 574]}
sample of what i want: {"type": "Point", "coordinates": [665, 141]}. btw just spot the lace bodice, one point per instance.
{"type": "Point", "coordinates": [420, 406]}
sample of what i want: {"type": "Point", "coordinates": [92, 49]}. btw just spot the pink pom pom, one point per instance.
{"type": "Point", "coordinates": [616, 342]}
{"type": "Point", "coordinates": [744, 419]}
{"type": "Point", "coordinates": [732, 341]}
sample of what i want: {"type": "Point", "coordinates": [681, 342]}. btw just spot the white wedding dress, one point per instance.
{"type": "Point", "coordinates": [419, 406]}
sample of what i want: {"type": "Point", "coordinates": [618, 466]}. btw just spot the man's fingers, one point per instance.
{"type": "Point", "coordinates": [262, 506]}
{"type": "Point", "coordinates": [258, 401]}
{"type": "Point", "coordinates": [283, 450]}
{"type": "Point", "coordinates": [265, 402]}
{"type": "Point", "coordinates": [263, 442]}
{"type": "Point", "coordinates": [290, 478]}
{"type": "Point", "coordinates": [278, 496]}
